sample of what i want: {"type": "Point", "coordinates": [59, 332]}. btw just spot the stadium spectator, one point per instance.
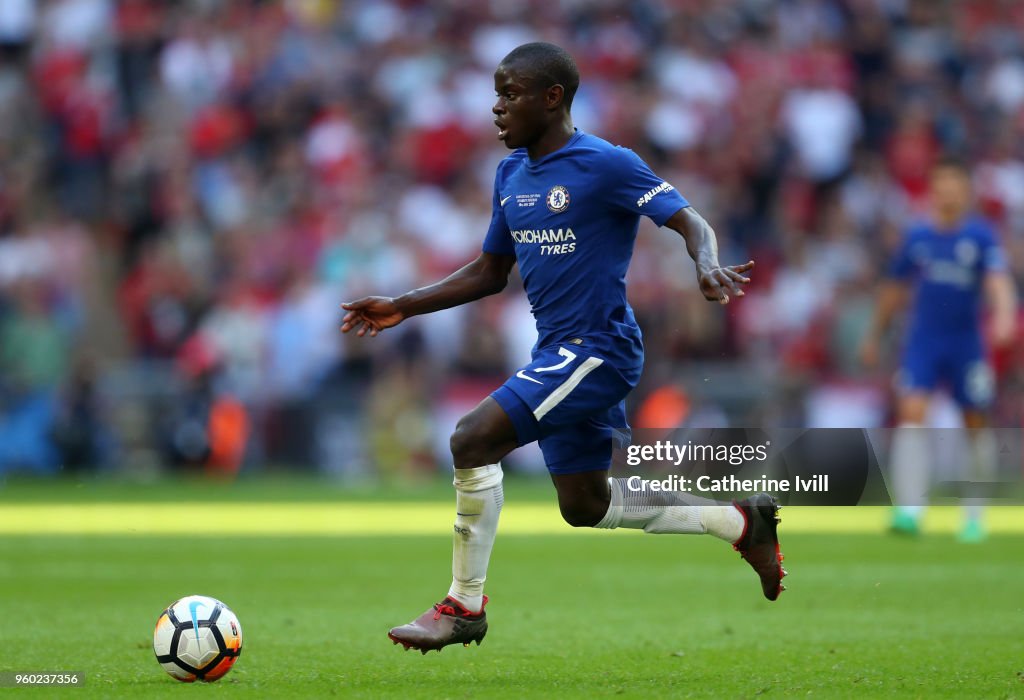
{"type": "Point", "coordinates": [196, 155]}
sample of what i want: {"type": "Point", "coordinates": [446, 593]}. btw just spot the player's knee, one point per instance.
{"type": "Point", "coordinates": [583, 513]}
{"type": "Point", "coordinates": [461, 441]}
{"type": "Point", "coordinates": [470, 445]}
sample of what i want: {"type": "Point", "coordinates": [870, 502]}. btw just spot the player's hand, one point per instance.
{"type": "Point", "coordinates": [870, 352]}
{"type": "Point", "coordinates": [371, 314]}
{"type": "Point", "coordinates": [718, 283]}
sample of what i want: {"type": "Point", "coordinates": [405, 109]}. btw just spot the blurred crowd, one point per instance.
{"type": "Point", "coordinates": [189, 190]}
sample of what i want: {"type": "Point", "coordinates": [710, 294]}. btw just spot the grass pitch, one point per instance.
{"type": "Point", "coordinates": [573, 614]}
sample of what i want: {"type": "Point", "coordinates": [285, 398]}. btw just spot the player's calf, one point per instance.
{"type": "Point", "coordinates": [583, 512]}
{"type": "Point", "coordinates": [750, 525]}
{"type": "Point", "coordinates": [583, 497]}
{"type": "Point", "coordinates": [667, 512]}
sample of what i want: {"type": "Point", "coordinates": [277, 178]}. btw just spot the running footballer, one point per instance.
{"type": "Point", "coordinates": [566, 209]}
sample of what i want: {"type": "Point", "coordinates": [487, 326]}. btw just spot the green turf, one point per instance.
{"type": "Point", "coordinates": [252, 488]}
{"type": "Point", "coordinates": [571, 616]}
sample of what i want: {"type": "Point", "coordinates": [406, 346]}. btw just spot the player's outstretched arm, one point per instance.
{"type": "Point", "coordinates": [716, 282]}
{"type": "Point", "coordinates": [1001, 293]}
{"type": "Point", "coordinates": [486, 275]}
{"type": "Point", "coordinates": [892, 297]}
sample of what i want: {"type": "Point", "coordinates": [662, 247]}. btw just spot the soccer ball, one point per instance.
{"type": "Point", "coordinates": [197, 637]}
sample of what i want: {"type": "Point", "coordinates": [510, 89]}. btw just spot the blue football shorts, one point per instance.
{"type": "Point", "coordinates": [957, 363]}
{"type": "Point", "coordinates": [572, 403]}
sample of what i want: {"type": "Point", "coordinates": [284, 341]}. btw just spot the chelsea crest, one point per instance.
{"type": "Point", "coordinates": [558, 199]}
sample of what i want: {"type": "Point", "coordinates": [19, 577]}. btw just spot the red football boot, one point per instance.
{"type": "Point", "coordinates": [759, 543]}
{"type": "Point", "coordinates": [445, 623]}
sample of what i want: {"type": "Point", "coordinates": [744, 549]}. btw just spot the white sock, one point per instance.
{"type": "Point", "coordinates": [478, 500]}
{"type": "Point", "coordinates": [909, 467]}
{"type": "Point", "coordinates": [669, 512]}
{"type": "Point", "coordinates": [983, 470]}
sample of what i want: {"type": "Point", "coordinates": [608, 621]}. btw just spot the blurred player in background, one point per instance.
{"type": "Point", "coordinates": [566, 208]}
{"type": "Point", "coordinates": [948, 263]}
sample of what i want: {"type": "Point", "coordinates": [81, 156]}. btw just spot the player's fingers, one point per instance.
{"type": "Point", "coordinates": [365, 326]}
{"type": "Point", "coordinates": [735, 275]}
{"type": "Point", "coordinates": [744, 267]}
{"type": "Point", "coordinates": [712, 289]}
{"type": "Point", "coordinates": [736, 281]}
{"type": "Point", "coordinates": [352, 320]}
{"type": "Point", "coordinates": [717, 293]}
{"type": "Point", "coordinates": [728, 281]}
{"type": "Point", "coordinates": [356, 305]}
{"type": "Point", "coordinates": [372, 328]}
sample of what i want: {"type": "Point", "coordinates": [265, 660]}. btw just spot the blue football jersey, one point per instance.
{"type": "Point", "coordinates": [947, 269]}
{"type": "Point", "coordinates": [571, 220]}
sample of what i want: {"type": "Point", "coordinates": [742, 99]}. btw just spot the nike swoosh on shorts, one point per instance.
{"type": "Point", "coordinates": [527, 377]}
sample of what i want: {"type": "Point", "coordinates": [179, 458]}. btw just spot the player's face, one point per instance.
{"type": "Point", "coordinates": [950, 191]}
{"type": "Point", "coordinates": [520, 113]}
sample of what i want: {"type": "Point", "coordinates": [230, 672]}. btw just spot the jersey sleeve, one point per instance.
{"type": "Point", "coordinates": [498, 240]}
{"type": "Point", "coordinates": [901, 266]}
{"type": "Point", "coordinates": [993, 257]}
{"type": "Point", "coordinates": [636, 189]}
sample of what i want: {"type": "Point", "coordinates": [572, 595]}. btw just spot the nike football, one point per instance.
{"type": "Point", "coordinates": [197, 638]}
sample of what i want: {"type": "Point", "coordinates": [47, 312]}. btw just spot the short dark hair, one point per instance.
{"type": "Point", "coordinates": [549, 64]}
{"type": "Point", "coordinates": [952, 161]}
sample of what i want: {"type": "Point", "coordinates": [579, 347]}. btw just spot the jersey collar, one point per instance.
{"type": "Point", "coordinates": [550, 156]}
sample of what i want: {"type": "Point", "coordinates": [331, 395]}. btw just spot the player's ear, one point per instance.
{"type": "Point", "coordinates": [554, 96]}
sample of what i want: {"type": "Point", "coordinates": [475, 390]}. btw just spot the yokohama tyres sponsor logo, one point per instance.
{"type": "Point", "coordinates": [543, 235]}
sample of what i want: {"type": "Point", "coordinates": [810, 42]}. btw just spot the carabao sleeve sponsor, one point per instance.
{"type": "Point", "coordinates": [635, 188]}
